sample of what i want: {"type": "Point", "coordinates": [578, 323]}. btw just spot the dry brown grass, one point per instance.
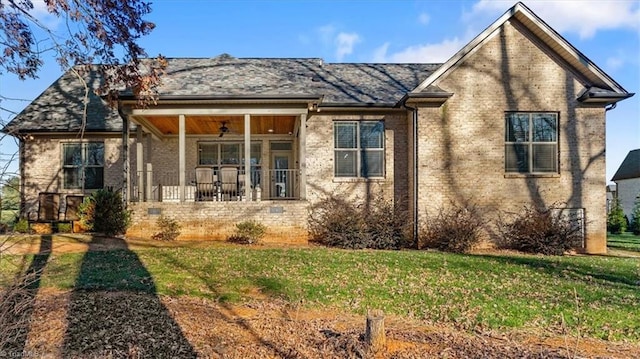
{"type": "Point", "coordinates": [266, 329]}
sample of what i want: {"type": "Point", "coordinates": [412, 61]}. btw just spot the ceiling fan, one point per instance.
{"type": "Point", "coordinates": [223, 129]}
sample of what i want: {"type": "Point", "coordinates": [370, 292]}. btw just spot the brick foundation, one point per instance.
{"type": "Point", "coordinates": [285, 220]}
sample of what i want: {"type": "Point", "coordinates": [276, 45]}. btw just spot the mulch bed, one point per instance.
{"type": "Point", "coordinates": [104, 324]}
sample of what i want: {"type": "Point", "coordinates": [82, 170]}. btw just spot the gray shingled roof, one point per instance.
{"type": "Point", "coordinates": [630, 167]}
{"type": "Point", "coordinates": [338, 83]}
{"type": "Point", "coordinates": [59, 107]}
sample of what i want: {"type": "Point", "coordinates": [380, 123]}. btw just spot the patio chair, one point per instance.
{"type": "Point", "coordinates": [72, 207]}
{"type": "Point", "coordinates": [205, 184]}
{"type": "Point", "coordinates": [48, 207]}
{"type": "Point", "coordinates": [229, 181]}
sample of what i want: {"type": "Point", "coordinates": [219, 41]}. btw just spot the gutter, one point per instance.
{"type": "Point", "coordinates": [129, 97]}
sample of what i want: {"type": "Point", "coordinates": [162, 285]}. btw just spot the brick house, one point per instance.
{"type": "Point", "coordinates": [516, 117]}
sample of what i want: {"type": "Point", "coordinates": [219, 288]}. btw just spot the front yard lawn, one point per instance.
{"type": "Point", "coordinates": [583, 295]}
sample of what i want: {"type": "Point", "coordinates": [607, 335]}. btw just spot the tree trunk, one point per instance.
{"type": "Point", "coordinates": [374, 334]}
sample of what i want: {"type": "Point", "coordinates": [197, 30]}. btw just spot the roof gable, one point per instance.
{"type": "Point", "coordinates": [592, 75]}
{"type": "Point", "coordinates": [630, 167]}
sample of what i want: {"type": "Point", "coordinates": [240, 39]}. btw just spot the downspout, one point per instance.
{"type": "Point", "coordinates": [611, 106]}
{"type": "Point", "coordinates": [414, 138]}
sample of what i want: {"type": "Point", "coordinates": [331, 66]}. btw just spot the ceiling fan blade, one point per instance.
{"type": "Point", "coordinates": [221, 134]}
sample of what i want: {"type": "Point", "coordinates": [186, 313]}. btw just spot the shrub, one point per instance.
{"type": "Point", "coordinates": [635, 217]}
{"type": "Point", "coordinates": [169, 229]}
{"type": "Point", "coordinates": [455, 228]}
{"type": "Point", "coordinates": [378, 225]}
{"type": "Point", "coordinates": [616, 220]}
{"type": "Point", "coordinates": [65, 228]}
{"type": "Point", "coordinates": [541, 230]}
{"type": "Point", "coordinates": [248, 232]}
{"type": "Point", "coordinates": [388, 225]}
{"type": "Point", "coordinates": [104, 212]}
{"type": "Point", "coordinates": [21, 226]}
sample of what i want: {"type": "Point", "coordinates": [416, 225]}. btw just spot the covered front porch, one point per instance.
{"type": "Point", "coordinates": [215, 154]}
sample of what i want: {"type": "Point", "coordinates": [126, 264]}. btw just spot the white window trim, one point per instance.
{"type": "Point", "coordinates": [530, 143]}
{"type": "Point", "coordinates": [358, 150]}
{"type": "Point", "coordinates": [82, 178]}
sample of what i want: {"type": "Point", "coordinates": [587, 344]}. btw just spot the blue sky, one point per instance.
{"type": "Point", "coordinates": [608, 32]}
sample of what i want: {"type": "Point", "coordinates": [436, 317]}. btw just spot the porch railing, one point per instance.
{"type": "Point", "coordinates": [266, 184]}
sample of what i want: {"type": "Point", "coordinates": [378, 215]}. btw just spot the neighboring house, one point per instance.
{"type": "Point", "coordinates": [611, 194]}
{"type": "Point", "coordinates": [516, 117]}
{"type": "Point", "coordinates": [627, 179]}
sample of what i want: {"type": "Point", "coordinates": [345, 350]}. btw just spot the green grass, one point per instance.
{"type": "Point", "coordinates": [8, 216]}
{"type": "Point", "coordinates": [626, 241]}
{"type": "Point", "coordinates": [590, 296]}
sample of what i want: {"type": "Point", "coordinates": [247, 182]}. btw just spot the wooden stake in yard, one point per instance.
{"type": "Point", "coordinates": [374, 332]}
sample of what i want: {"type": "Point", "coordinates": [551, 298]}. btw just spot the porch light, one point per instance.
{"type": "Point", "coordinates": [270, 130]}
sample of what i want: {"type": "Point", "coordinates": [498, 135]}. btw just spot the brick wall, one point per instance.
{"type": "Point", "coordinates": [461, 143]}
{"type": "Point", "coordinates": [42, 166]}
{"type": "Point", "coordinates": [285, 220]}
{"type": "Point", "coordinates": [320, 159]}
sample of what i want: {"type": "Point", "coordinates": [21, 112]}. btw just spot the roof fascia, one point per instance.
{"type": "Point", "coordinates": [356, 105]}
{"type": "Point", "coordinates": [213, 99]}
{"type": "Point", "coordinates": [355, 108]}
{"type": "Point", "coordinates": [218, 111]}
{"type": "Point", "coordinates": [66, 133]}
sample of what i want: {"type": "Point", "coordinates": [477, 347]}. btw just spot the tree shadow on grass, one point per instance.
{"type": "Point", "coordinates": [114, 311]}
{"type": "Point", "coordinates": [270, 286]}
{"type": "Point", "coordinates": [18, 302]}
{"type": "Point", "coordinates": [574, 270]}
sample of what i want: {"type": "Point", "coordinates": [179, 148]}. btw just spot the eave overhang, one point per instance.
{"type": "Point", "coordinates": [438, 98]}
{"type": "Point", "coordinates": [597, 95]}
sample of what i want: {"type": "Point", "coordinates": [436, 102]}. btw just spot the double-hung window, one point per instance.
{"type": "Point", "coordinates": [359, 148]}
{"type": "Point", "coordinates": [531, 142]}
{"type": "Point", "coordinates": [83, 165]}
{"type": "Point", "coordinates": [227, 153]}
{"type": "Point", "coordinates": [217, 154]}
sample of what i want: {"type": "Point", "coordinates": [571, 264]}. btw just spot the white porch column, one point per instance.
{"type": "Point", "coordinates": [140, 163]}
{"type": "Point", "coordinates": [182, 137]}
{"type": "Point", "coordinates": [149, 174]}
{"type": "Point", "coordinates": [247, 156]}
{"type": "Point", "coordinates": [302, 155]}
{"type": "Point", "coordinates": [149, 166]}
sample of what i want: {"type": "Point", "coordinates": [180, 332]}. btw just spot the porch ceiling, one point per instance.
{"type": "Point", "coordinates": [210, 125]}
